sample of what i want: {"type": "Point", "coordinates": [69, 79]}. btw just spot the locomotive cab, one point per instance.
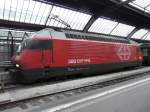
{"type": "Point", "coordinates": [31, 56]}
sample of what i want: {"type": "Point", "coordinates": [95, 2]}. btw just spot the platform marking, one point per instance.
{"type": "Point", "coordinates": [117, 89]}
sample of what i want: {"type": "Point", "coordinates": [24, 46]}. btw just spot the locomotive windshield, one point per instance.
{"type": "Point", "coordinates": [35, 44]}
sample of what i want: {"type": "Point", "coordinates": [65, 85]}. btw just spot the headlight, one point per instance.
{"type": "Point", "coordinates": [17, 65]}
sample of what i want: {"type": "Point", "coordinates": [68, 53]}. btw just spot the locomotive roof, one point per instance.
{"type": "Point", "coordinates": [96, 37]}
{"type": "Point", "coordinates": [85, 36]}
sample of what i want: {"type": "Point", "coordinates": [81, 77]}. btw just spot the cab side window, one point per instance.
{"type": "Point", "coordinates": [39, 44]}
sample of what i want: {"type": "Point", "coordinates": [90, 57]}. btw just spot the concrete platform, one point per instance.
{"type": "Point", "coordinates": [17, 94]}
{"type": "Point", "coordinates": [5, 78]}
{"type": "Point", "coordinates": [129, 96]}
{"type": "Point", "coordinates": [133, 94]}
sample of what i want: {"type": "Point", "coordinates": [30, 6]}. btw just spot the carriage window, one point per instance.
{"type": "Point", "coordinates": [145, 51]}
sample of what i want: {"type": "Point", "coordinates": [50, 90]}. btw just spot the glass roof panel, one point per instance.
{"type": "Point", "coordinates": [140, 34]}
{"type": "Point", "coordinates": [66, 16]}
{"type": "Point", "coordinates": [148, 36]}
{"type": "Point", "coordinates": [24, 11]}
{"type": "Point", "coordinates": [7, 7]}
{"type": "Point", "coordinates": [103, 26]}
{"type": "Point", "coordinates": [3, 33]}
{"type": "Point", "coordinates": [122, 30]}
{"type": "Point", "coordinates": [2, 5]}
{"type": "Point", "coordinates": [19, 10]}
{"type": "Point", "coordinates": [148, 8]}
{"type": "Point", "coordinates": [136, 6]}
{"type": "Point", "coordinates": [45, 14]}
{"type": "Point", "coordinates": [13, 10]}
{"type": "Point", "coordinates": [123, 0]}
{"type": "Point", "coordinates": [35, 12]}
{"type": "Point", "coordinates": [27, 11]}
{"type": "Point", "coordinates": [17, 34]}
{"type": "Point", "coordinates": [40, 12]}
{"type": "Point", "coordinates": [141, 4]}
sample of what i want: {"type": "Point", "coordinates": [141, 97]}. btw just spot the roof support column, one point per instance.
{"type": "Point", "coordinates": [10, 37]}
{"type": "Point", "coordinates": [132, 33]}
{"type": "Point", "coordinates": [105, 11]}
{"type": "Point", "coordinates": [90, 22]}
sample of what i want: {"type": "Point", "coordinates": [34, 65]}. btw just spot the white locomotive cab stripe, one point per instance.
{"type": "Point", "coordinates": [117, 89]}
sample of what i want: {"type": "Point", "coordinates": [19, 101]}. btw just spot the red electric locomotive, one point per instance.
{"type": "Point", "coordinates": [49, 53]}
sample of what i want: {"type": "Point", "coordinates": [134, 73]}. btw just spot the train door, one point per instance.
{"type": "Point", "coordinates": [47, 54]}
{"type": "Point", "coordinates": [44, 43]}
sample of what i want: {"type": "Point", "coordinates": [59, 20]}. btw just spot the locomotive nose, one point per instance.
{"type": "Point", "coordinates": [16, 61]}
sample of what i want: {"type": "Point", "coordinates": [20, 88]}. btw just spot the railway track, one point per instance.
{"type": "Point", "coordinates": [23, 92]}
{"type": "Point", "coordinates": [35, 102]}
{"type": "Point", "coordinates": [6, 80]}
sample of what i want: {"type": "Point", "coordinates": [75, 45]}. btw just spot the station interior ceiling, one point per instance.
{"type": "Point", "coordinates": [125, 18]}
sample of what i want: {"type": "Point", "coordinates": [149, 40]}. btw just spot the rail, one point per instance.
{"type": "Point", "coordinates": [17, 94]}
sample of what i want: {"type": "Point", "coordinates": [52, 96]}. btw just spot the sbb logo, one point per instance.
{"type": "Point", "coordinates": [77, 61]}
{"type": "Point", "coordinates": [124, 53]}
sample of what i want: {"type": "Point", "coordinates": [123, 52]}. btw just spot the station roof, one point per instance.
{"type": "Point", "coordinates": [143, 5]}
{"type": "Point", "coordinates": [127, 18]}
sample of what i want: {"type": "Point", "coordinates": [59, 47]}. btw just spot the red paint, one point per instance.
{"type": "Point", "coordinates": [73, 52]}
